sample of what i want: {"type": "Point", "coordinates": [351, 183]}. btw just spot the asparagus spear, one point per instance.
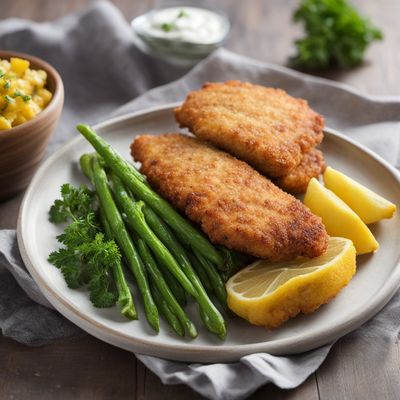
{"type": "Point", "coordinates": [125, 299]}
{"type": "Point", "coordinates": [175, 287]}
{"type": "Point", "coordinates": [117, 226]}
{"type": "Point", "coordinates": [164, 290]}
{"type": "Point", "coordinates": [136, 220]}
{"type": "Point", "coordinates": [205, 281]}
{"type": "Point", "coordinates": [171, 281]}
{"type": "Point", "coordinates": [162, 305]}
{"type": "Point", "coordinates": [136, 183]}
{"type": "Point", "coordinates": [210, 315]}
{"type": "Point", "coordinates": [233, 262]}
{"type": "Point", "coordinates": [215, 279]}
{"type": "Point", "coordinates": [85, 163]}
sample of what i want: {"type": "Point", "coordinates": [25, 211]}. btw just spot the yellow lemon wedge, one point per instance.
{"type": "Point", "coordinates": [268, 294]}
{"type": "Point", "coordinates": [368, 205]}
{"type": "Point", "coordinates": [339, 219]}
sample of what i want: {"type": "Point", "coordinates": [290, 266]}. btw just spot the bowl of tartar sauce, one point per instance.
{"type": "Point", "coordinates": [185, 34]}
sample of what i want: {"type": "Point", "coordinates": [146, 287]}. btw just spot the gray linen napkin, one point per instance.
{"type": "Point", "coordinates": [115, 71]}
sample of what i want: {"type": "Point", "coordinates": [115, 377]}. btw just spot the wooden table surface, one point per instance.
{"type": "Point", "coordinates": [89, 369]}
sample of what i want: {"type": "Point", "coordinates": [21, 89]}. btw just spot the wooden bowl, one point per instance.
{"type": "Point", "coordinates": [22, 147]}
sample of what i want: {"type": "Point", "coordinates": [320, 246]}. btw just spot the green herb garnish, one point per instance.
{"type": "Point", "coordinates": [75, 204]}
{"type": "Point", "coordinates": [336, 34]}
{"type": "Point", "coordinates": [167, 26]}
{"type": "Point", "coordinates": [8, 100]}
{"type": "Point", "coordinates": [87, 258]}
{"type": "Point", "coordinates": [1, 73]}
{"type": "Point", "coordinates": [24, 97]}
{"type": "Point", "coordinates": [7, 85]}
{"type": "Point", "coordinates": [182, 13]}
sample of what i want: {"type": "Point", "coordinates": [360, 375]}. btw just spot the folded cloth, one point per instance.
{"type": "Point", "coordinates": [102, 69]}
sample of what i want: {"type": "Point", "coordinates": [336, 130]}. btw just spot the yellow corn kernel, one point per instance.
{"type": "Point", "coordinates": [4, 123]}
{"type": "Point", "coordinates": [19, 65]}
{"type": "Point", "coordinates": [19, 120]}
{"type": "Point", "coordinates": [27, 111]}
{"type": "Point", "coordinates": [24, 86]}
{"type": "Point", "coordinates": [45, 95]}
{"type": "Point", "coordinates": [38, 100]}
{"type": "Point", "coordinates": [35, 108]}
{"type": "Point", "coordinates": [10, 115]}
{"type": "Point", "coordinates": [37, 78]}
{"type": "Point", "coordinates": [22, 91]}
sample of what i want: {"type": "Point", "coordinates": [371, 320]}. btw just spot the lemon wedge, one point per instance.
{"type": "Point", "coordinates": [268, 294]}
{"type": "Point", "coordinates": [368, 205]}
{"type": "Point", "coordinates": [339, 219]}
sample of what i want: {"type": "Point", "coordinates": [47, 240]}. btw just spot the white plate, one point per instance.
{"type": "Point", "coordinates": [377, 278]}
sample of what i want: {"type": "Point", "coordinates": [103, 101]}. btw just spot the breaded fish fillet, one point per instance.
{"type": "Point", "coordinates": [234, 204]}
{"type": "Point", "coordinates": [263, 126]}
{"type": "Point", "coordinates": [296, 181]}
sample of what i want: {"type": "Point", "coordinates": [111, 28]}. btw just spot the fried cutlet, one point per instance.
{"type": "Point", "coordinates": [263, 126]}
{"type": "Point", "coordinates": [312, 166]}
{"type": "Point", "coordinates": [234, 204]}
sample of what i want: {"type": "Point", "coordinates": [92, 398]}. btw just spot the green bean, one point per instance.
{"type": "Point", "coordinates": [200, 272]}
{"type": "Point", "coordinates": [121, 235]}
{"type": "Point", "coordinates": [233, 262]}
{"type": "Point", "coordinates": [125, 299]}
{"type": "Point", "coordinates": [85, 163]}
{"type": "Point", "coordinates": [171, 281]}
{"type": "Point", "coordinates": [175, 287]}
{"type": "Point", "coordinates": [215, 279]}
{"type": "Point", "coordinates": [163, 288]}
{"type": "Point", "coordinates": [166, 312]}
{"type": "Point", "coordinates": [211, 316]}
{"type": "Point", "coordinates": [136, 220]}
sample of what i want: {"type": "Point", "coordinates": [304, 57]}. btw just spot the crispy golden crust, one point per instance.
{"type": "Point", "coordinates": [233, 203]}
{"type": "Point", "coordinates": [263, 126]}
{"type": "Point", "coordinates": [312, 166]}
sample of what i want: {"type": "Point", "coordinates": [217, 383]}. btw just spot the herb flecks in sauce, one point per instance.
{"type": "Point", "coordinates": [190, 24]}
{"type": "Point", "coordinates": [167, 27]}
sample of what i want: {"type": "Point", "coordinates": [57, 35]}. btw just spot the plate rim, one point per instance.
{"type": "Point", "coordinates": [195, 352]}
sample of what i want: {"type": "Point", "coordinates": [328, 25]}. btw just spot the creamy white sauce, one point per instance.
{"type": "Point", "coordinates": [186, 24]}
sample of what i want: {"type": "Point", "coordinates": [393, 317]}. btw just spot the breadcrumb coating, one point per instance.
{"type": "Point", "coordinates": [263, 126]}
{"type": "Point", "coordinates": [234, 204]}
{"type": "Point", "coordinates": [296, 181]}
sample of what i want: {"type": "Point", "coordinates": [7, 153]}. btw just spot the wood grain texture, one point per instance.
{"type": "Point", "coordinates": [89, 369]}
{"type": "Point", "coordinates": [307, 391]}
{"type": "Point", "coordinates": [78, 370]}
{"type": "Point", "coordinates": [365, 377]}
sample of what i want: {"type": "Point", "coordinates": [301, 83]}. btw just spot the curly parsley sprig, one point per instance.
{"type": "Point", "coordinates": [74, 204]}
{"type": "Point", "coordinates": [87, 258]}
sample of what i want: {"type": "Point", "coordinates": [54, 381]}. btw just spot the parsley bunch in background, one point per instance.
{"type": "Point", "coordinates": [336, 35]}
